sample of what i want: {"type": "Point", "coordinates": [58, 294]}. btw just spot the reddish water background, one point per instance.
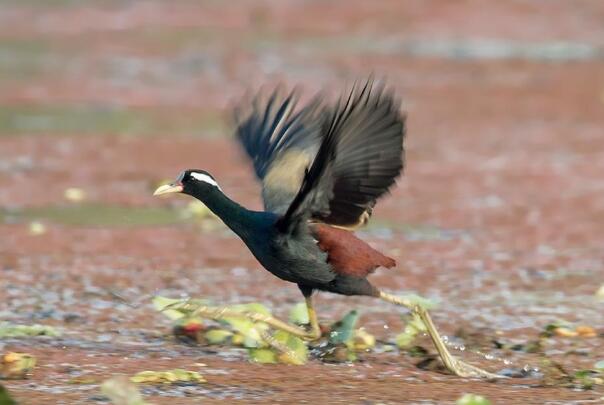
{"type": "Point", "coordinates": [500, 215]}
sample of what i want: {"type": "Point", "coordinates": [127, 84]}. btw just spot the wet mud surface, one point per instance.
{"type": "Point", "coordinates": [499, 216]}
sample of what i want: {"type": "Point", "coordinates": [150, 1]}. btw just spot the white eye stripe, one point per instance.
{"type": "Point", "coordinates": [205, 178]}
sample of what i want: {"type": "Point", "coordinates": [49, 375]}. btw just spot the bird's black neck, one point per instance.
{"type": "Point", "coordinates": [238, 218]}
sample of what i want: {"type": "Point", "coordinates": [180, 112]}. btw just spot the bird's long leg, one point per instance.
{"type": "Point", "coordinates": [452, 364]}
{"type": "Point", "coordinates": [220, 313]}
{"type": "Point", "coordinates": [315, 330]}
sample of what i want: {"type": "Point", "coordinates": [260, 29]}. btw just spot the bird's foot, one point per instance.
{"type": "Point", "coordinates": [463, 369]}
{"type": "Point", "coordinates": [454, 365]}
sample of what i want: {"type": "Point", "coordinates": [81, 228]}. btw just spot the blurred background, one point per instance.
{"type": "Point", "coordinates": [500, 214]}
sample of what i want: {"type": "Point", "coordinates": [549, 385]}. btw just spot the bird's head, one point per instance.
{"type": "Point", "coordinates": [193, 182]}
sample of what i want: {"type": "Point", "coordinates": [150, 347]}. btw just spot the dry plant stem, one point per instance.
{"type": "Point", "coordinates": [452, 364]}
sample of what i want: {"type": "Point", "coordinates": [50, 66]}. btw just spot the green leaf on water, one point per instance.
{"type": "Point", "coordinates": [297, 351]}
{"type": "Point", "coordinates": [600, 293]}
{"type": "Point", "coordinates": [169, 307]}
{"type": "Point", "coordinates": [264, 356]}
{"type": "Point", "coordinates": [177, 308]}
{"type": "Point", "coordinates": [550, 329]}
{"type": "Point", "coordinates": [250, 330]}
{"type": "Point", "coordinates": [167, 377]}
{"type": "Point", "coordinates": [586, 379]}
{"type": "Point", "coordinates": [8, 330]}
{"type": "Point", "coordinates": [299, 314]}
{"type": "Point", "coordinates": [5, 398]}
{"type": "Point", "coordinates": [418, 300]}
{"type": "Point", "coordinates": [14, 365]}
{"type": "Point", "coordinates": [472, 399]}
{"type": "Point", "coordinates": [363, 340]}
{"type": "Point", "coordinates": [218, 336]}
{"type": "Point", "coordinates": [251, 307]}
{"type": "Point", "coordinates": [341, 341]}
{"type": "Point", "coordinates": [343, 330]}
{"type": "Point", "coordinates": [121, 391]}
{"type": "Point", "coordinates": [415, 326]}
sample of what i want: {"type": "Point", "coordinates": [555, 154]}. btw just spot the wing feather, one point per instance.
{"type": "Point", "coordinates": [281, 142]}
{"type": "Point", "coordinates": [359, 159]}
{"type": "Point", "coordinates": [326, 165]}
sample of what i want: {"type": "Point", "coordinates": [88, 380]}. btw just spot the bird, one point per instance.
{"type": "Point", "coordinates": [322, 167]}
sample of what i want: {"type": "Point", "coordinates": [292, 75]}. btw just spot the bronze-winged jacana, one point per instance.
{"type": "Point", "coordinates": [322, 170]}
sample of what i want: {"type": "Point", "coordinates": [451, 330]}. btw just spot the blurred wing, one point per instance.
{"type": "Point", "coordinates": [369, 154]}
{"type": "Point", "coordinates": [359, 159]}
{"type": "Point", "coordinates": [281, 143]}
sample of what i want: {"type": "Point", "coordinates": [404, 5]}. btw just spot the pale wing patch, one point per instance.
{"type": "Point", "coordinates": [205, 178]}
{"type": "Point", "coordinates": [287, 173]}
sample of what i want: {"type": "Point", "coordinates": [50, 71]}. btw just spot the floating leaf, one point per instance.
{"type": "Point", "coordinates": [600, 293]}
{"type": "Point", "coordinates": [472, 399]}
{"type": "Point", "coordinates": [5, 398]}
{"type": "Point", "coordinates": [251, 307]}
{"type": "Point", "coordinates": [121, 391]}
{"type": "Point", "coordinates": [8, 330]}
{"type": "Point", "coordinates": [551, 328]}
{"type": "Point", "coordinates": [343, 330]}
{"type": "Point", "coordinates": [176, 308]}
{"type": "Point", "coordinates": [264, 356]}
{"type": "Point", "coordinates": [412, 329]}
{"type": "Point", "coordinates": [37, 228]}
{"type": "Point", "coordinates": [238, 339]}
{"type": "Point", "coordinates": [16, 365]}
{"type": "Point", "coordinates": [297, 351]}
{"type": "Point", "coordinates": [363, 340]}
{"type": "Point", "coordinates": [169, 307]}
{"type": "Point", "coordinates": [340, 346]}
{"type": "Point", "coordinates": [565, 332]}
{"type": "Point", "coordinates": [250, 330]}
{"type": "Point", "coordinates": [586, 331]}
{"type": "Point", "coordinates": [565, 329]}
{"type": "Point", "coordinates": [554, 373]}
{"type": "Point", "coordinates": [167, 377]}
{"type": "Point", "coordinates": [74, 194]}
{"type": "Point", "coordinates": [82, 380]}
{"type": "Point", "coordinates": [417, 300]}
{"type": "Point", "coordinates": [299, 314]}
{"type": "Point", "coordinates": [586, 379]}
{"type": "Point", "coordinates": [217, 336]}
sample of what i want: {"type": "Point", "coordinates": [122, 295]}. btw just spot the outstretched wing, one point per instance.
{"type": "Point", "coordinates": [281, 142]}
{"type": "Point", "coordinates": [359, 159]}
{"type": "Point", "coordinates": [369, 154]}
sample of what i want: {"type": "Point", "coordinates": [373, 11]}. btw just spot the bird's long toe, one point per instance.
{"type": "Point", "coordinates": [463, 369]}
